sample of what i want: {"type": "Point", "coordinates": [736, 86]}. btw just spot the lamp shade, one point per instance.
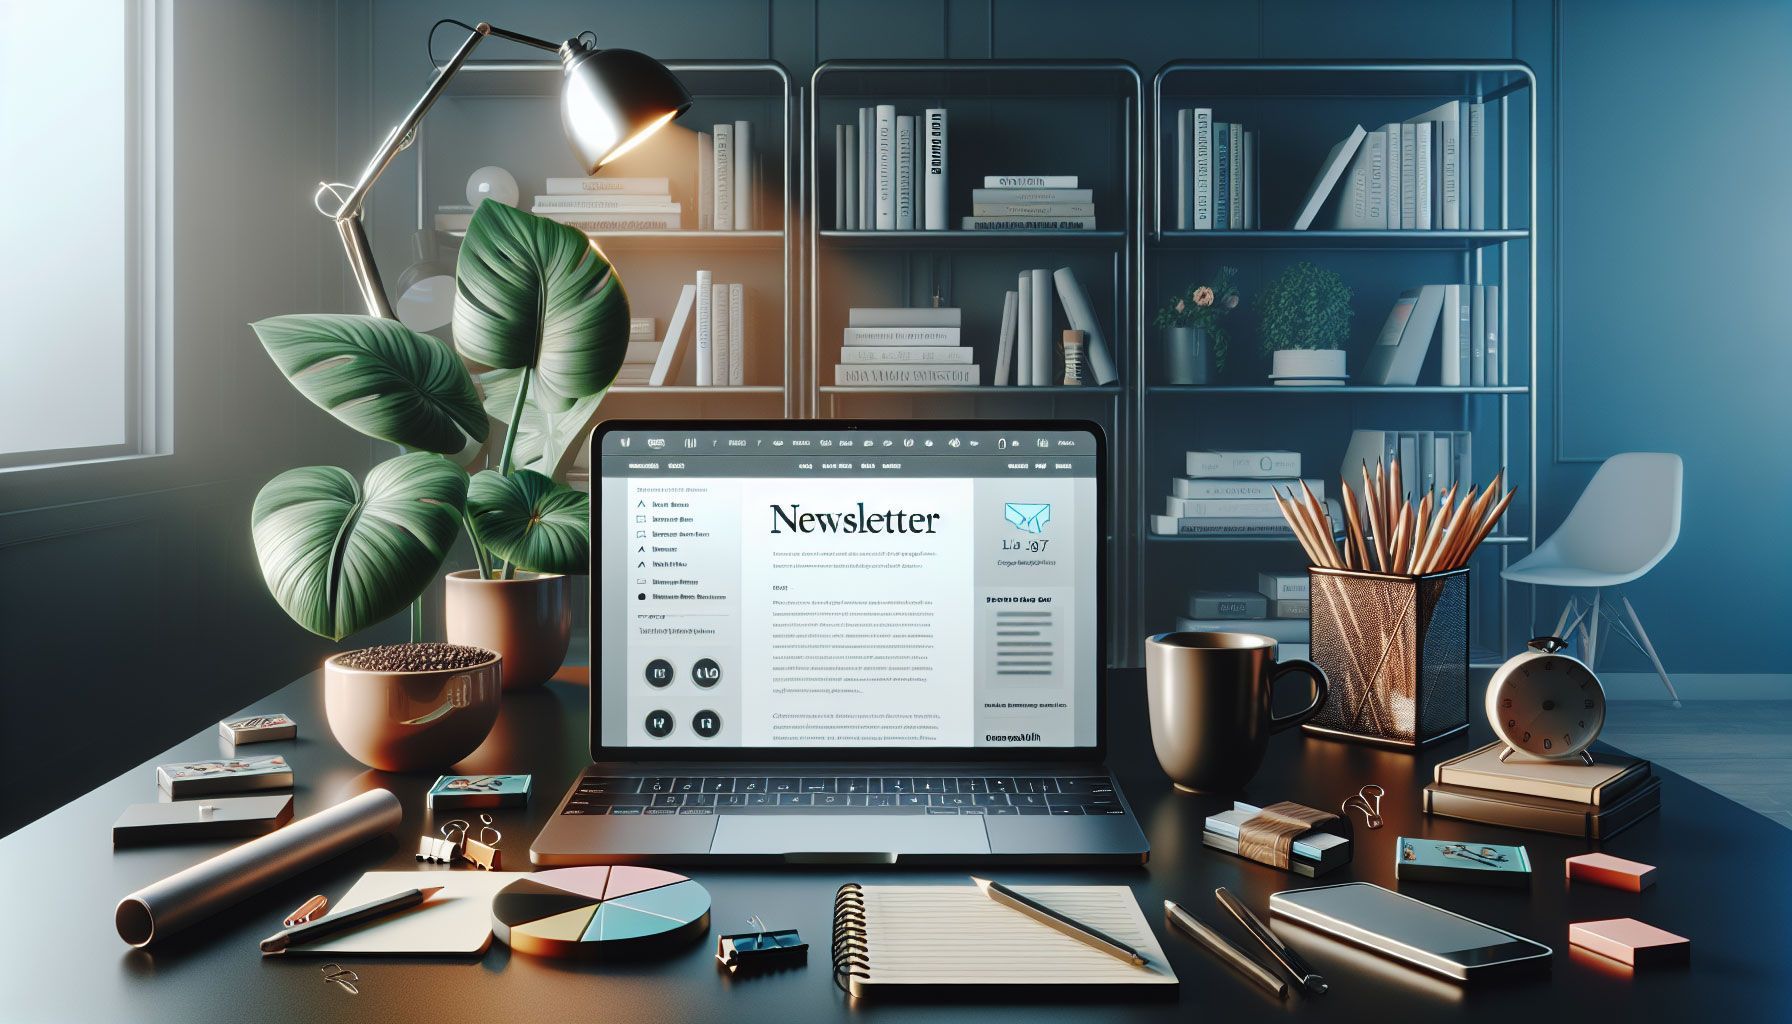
{"type": "Point", "coordinates": [613, 99]}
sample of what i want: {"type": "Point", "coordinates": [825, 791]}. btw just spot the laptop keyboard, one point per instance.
{"type": "Point", "coordinates": [732, 794]}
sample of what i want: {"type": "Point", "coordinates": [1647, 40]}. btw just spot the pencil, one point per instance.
{"type": "Point", "coordinates": [1377, 523]}
{"type": "Point", "coordinates": [1492, 518]}
{"type": "Point", "coordinates": [1323, 520]}
{"type": "Point", "coordinates": [1356, 526]}
{"type": "Point", "coordinates": [1070, 926]}
{"type": "Point", "coordinates": [1446, 559]}
{"type": "Point", "coordinates": [1294, 525]}
{"type": "Point", "coordinates": [1223, 948]}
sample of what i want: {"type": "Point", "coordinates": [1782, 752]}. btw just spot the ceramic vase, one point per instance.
{"type": "Point", "coordinates": [527, 620]}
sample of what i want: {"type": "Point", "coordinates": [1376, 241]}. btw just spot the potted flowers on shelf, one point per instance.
{"type": "Point", "coordinates": [1304, 321]}
{"type": "Point", "coordinates": [1194, 342]}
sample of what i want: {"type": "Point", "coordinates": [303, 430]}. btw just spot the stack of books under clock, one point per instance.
{"type": "Point", "coordinates": [1567, 798]}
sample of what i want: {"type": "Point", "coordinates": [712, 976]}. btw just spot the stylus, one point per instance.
{"type": "Point", "coordinates": [1069, 926]}
{"type": "Point", "coordinates": [1222, 947]}
{"type": "Point", "coordinates": [1303, 975]}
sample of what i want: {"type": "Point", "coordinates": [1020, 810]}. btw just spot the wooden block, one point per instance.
{"type": "Point", "coordinates": [1615, 872]}
{"type": "Point", "coordinates": [1629, 941]}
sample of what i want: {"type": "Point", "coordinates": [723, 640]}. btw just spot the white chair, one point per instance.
{"type": "Point", "coordinates": [1626, 520]}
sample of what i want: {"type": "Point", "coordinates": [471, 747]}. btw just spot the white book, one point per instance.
{"type": "Point", "coordinates": [1392, 164]}
{"type": "Point", "coordinates": [1051, 211]}
{"type": "Point", "coordinates": [706, 182]}
{"type": "Point", "coordinates": [1032, 195]}
{"type": "Point", "coordinates": [608, 186]}
{"type": "Point", "coordinates": [901, 336]}
{"type": "Point", "coordinates": [1251, 465]}
{"type": "Point", "coordinates": [1364, 203]}
{"type": "Point", "coordinates": [1284, 586]}
{"type": "Point", "coordinates": [904, 316]}
{"type": "Point", "coordinates": [723, 175]}
{"type": "Point", "coordinates": [721, 335]}
{"type": "Point", "coordinates": [905, 172]}
{"type": "Point", "coordinates": [599, 221]}
{"type": "Point", "coordinates": [737, 334]}
{"type": "Point", "coordinates": [705, 358]}
{"type": "Point", "coordinates": [665, 368]}
{"type": "Point", "coordinates": [884, 177]}
{"type": "Point", "coordinates": [601, 204]}
{"type": "Point", "coordinates": [743, 181]}
{"type": "Point", "coordinates": [1395, 359]}
{"type": "Point", "coordinates": [1235, 177]}
{"type": "Point", "coordinates": [906, 376]}
{"type": "Point", "coordinates": [1082, 318]}
{"type": "Point", "coordinates": [839, 177]}
{"type": "Point", "coordinates": [1029, 181]}
{"type": "Point", "coordinates": [867, 168]}
{"type": "Point", "coordinates": [1409, 152]}
{"type": "Point", "coordinates": [918, 172]}
{"type": "Point", "coordinates": [1477, 343]}
{"type": "Point", "coordinates": [1496, 338]}
{"type": "Point", "coordinates": [1477, 166]}
{"type": "Point", "coordinates": [853, 200]}
{"type": "Point", "coordinates": [1222, 508]}
{"type": "Point", "coordinates": [1044, 340]}
{"type": "Point", "coordinates": [1451, 175]}
{"type": "Point", "coordinates": [1446, 172]}
{"type": "Point", "coordinates": [1027, 223]}
{"type": "Point", "coordinates": [1203, 210]}
{"type": "Point", "coordinates": [1023, 351]}
{"type": "Point", "coordinates": [934, 168]}
{"type": "Point", "coordinates": [643, 328]}
{"type": "Point", "coordinates": [1421, 169]}
{"type": "Point", "coordinates": [1191, 487]}
{"type": "Point", "coordinates": [873, 354]}
{"type": "Point", "coordinates": [1452, 348]}
{"type": "Point", "coordinates": [1005, 339]}
{"type": "Point", "coordinates": [1185, 169]}
{"type": "Point", "coordinates": [1329, 172]}
{"type": "Point", "coordinates": [1251, 220]}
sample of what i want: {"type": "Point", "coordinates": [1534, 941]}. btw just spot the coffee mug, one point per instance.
{"type": "Point", "coordinates": [1209, 695]}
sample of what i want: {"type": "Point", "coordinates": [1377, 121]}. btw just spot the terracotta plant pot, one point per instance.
{"type": "Point", "coordinates": [412, 721]}
{"type": "Point", "coordinates": [527, 620]}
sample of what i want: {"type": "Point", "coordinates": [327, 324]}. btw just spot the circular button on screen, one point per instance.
{"type": "Point", "coordinates": [706, 672]}
{"type": "Point", "coordinates": [659, 672]}
{"type": "Point", "coordinates": [659, 724]}
{"type": "Point", "coordinates": [707, 724]}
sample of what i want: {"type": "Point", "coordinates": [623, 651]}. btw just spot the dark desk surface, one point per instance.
{"type": "Point", "coordinates": [1722, 882]}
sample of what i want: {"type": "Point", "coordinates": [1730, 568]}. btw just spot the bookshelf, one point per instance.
{"type": "Point", "coordinates": [1299, 110]}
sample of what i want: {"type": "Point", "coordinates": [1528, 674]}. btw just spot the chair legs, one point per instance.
{"type": "Point", "coordinates": [1587, 621]}
{"type": "Point", "coordinates": [1648, 648]}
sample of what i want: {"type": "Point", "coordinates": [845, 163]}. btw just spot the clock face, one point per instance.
{"type": "Point", "coordinates": [1548, 706]}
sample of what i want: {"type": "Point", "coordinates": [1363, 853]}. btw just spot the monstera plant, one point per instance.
{"type": "Point", "coordinates": [541, 324]}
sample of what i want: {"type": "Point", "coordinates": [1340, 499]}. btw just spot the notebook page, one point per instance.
{"type": "Point", "coordinates": [955, 935]}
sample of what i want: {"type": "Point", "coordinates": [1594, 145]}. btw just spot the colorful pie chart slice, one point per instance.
{"type": "Point", "coordinates": [571, 912]}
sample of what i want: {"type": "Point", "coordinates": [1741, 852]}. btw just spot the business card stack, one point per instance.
{"type": "Point", "coordinates": [1567, 798]}
{"type": "Point", "coordinates": [905, 347]}
{"type": "Point", "coordinates": [1311, 854]}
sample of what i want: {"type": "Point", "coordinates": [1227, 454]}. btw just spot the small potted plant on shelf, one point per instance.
{"type": "Point", "coordinates": [1304, 321]}
{"type": "Point", "coordinates": [1194, 342]}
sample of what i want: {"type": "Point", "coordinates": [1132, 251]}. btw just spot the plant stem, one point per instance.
{"type": "Point", "coordinates": [479, 558]}
{"type": "Point", "coordinates": [417, 620]}
{"type": "Point", "coordinates": [516, 415]}
{"type": "Point", "coordinates": [509, 570]}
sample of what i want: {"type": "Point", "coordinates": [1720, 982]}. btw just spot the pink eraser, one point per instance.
{"type": "Point", "coordinates": [1627, 940]}
{"type": "Point", "coordinates": [1616, 872]}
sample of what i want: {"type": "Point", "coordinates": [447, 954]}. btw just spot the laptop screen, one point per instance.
{"type": "Point", "coordinates": [835, 585]}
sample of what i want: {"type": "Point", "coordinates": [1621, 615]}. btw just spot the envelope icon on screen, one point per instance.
{"type": "Point", "coordinates": [1027, 516]}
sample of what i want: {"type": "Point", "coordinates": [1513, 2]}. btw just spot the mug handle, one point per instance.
{"type": "Point", "coordinates": [1321, 689]}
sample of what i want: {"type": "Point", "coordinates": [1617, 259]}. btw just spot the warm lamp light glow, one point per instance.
{"type": "Point", "coordinates": [641, 136]}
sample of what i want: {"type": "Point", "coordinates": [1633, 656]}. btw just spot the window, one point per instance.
{"type": "Point", "coordinates": [79, 359]}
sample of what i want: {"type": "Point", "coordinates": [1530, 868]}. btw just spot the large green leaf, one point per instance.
{"type": "Point", "coordinates": [532, 521]}
{"type": "Point", "coordinates": [547, 441]}
{"type": "Point", "coordinates": [531, 294]}
{"type": "Point", "coordinates": [380, 377]}
{"type": "Point", "coordinates": [339, 556]}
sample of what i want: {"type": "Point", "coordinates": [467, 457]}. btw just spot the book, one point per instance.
{"type": "Point", "coordinates": [1081, 315]}
{"type": "Point", "coordinates": [1284, 586]}
{"type": "Point", "coordinates": [641, 352]}
{"type": "Point", "coordinates": [867, 168]}
{"type": "Point", "coordinates": [918, 174]}
{"type": "Point", "coordinates": [951, 940]}
{"type": "Point", "coordinates": [619, 204]}
{"type": "Point", "coordinates": [223, 775]}
{"type": "Point", "coordinates": [1496, 338]}
{"type": "Point", "coordinates": [1364, 205]}
{"type": "Point", "coordinates": [1409, 150]}
{"type": "Point", "coordinates": [1185, 169]}
{"type": "Point", "coordinates": [1235, 177]}
{"type": "Point", "coordinates": [1023, 348]}
{"type": "Point", "coordinates": [706, 181]}
{"type": "Point", "coordinates": [853, 199]}
{"type": "Point", "coordinates": [1367, 447]}
{"type": "Point", "coordinates": [1032, 195]}
{"type": "Point", "coordinates": [840, 177]}
{"type": "Point", "coordinates": [1392, 131]}
{"type": "Point", "coordinates": [1251, 218]}
{"type": "Point", "coordinates": [1477, 337]}
{"type": "Point", "coordinates": [1477, 166]}
{"type": "Point", "coordinates": [1222, 175]}
{"type": "Point", "coordinates": [1049, 210]}
{"type": "Point", "coordinates": [1044, 341]}
{"type": "Point", "coordinates": [742, 180]}
{"type": "Point", "coordinates": [1609, 778]}
{"type": "Point", "coordinates": [1443, 463]}
{"type": "Point", "coordinates": [1029, 181]}
{"type": "Point", "coordinates": [737, 334]}
{"type": "Point", "coordinates": [1253, 465]}
{"type": "Point", "coordinates": [722, 176]}
{"type": "Point", "coordinates": [643, 328]}
{"type": "Point", "coordinates": [883, 181]}
{"type": "Point", "coordinates": [671, 357]}
{"type": "Point", "coordinates": [1452, 342]}
{"type": "Point", "coordinates": [933, 168]}
{"type": "Point", "coordinates": [1222, 508]}
{"type": "Point", "coordinates": [1541, 814]}
{"type": "Point", "coordinates": [1327, 178]}
{"type": "Point", "coordinates": [1226, 604]}
{"type": "Point", "coordinates": [1203, 165]}
{"type": "Point", "coordinates": [1421, 170]}
{"type": "Point", "coordinates": [1209, 487]}
{"type": "Point", "coordinates": [1282, 631]}
{"type": "Point", "coordinates": [721, 333]}
{"type": "Point", "coordinates": [902, 354]}
{"type": "Point", "coordinates": [1027, 223]}
{"type": "Point", "coordinates": [903, 316]}
{"type": "Point", "coordinates": [905, 376]}
{"type": "Point", "coordinates": [1005, 339]}
{"type": "Point", "coordinates": [705, 323]}
{"type": "Point", "coordinates": [598, 221]}
{"type": "Point", "coordinates": [1290, 608]}
{"type": "Point", "coordinates": [901, 335]}
{"type": "Point", "coordinates": [607, 186]}
{"type": "Point", "coordinates": [905, 172]}
{"type": "Point", "coordinates": [1394, 361]}
{"type": "Point", "coordinates": [1446, 156]}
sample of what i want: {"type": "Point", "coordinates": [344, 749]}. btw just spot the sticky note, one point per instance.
{"type": "Point", "coordinates": [1615, 872]}
{"type": "Point", "coordinates": [1630, 941]}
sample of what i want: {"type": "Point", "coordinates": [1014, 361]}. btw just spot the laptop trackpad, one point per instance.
{"type": "Point", "coordinates": [833, 838]}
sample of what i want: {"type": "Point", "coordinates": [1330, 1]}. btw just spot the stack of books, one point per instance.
{"type": "Point", "coordinates": [453, 218]}
{"type": "Point", "coordinates": [1216, 173]}
{"type": "Point", "coordinates": [1444, 458]}
{"type": "Point", "coordinates": [1030, 202]}
{"type": "Point", "coordinates": [727, 178]}
{"type": "Point", "coordinates": [1233, 492]}
{"type": "Point", "coordinates": [1426, 173]}
{"type": "Point", "coordinates": [1264, 611]}
{"type": "Point", "coordinates": [1466, 319]}
{"type": "Point", "coordinates": [1567, 798]}
{"type": "Point", "coordinates": [643, 352]}
{"type": "Point", "coordinates": [905, 347]}
{"type": "Point", "coordinates": [610, 204]}
{"type": "Point", "coordinates": [890, 171]}
{"type": "Point", "coordinates": [1027, 346]}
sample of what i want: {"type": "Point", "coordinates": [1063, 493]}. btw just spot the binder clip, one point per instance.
{"type": "Point", "coordinates": [483, 851]}
{"type": "Point", "coordinates": [448, 848]}
{"type": "Point", "coordinates": [762, 949]}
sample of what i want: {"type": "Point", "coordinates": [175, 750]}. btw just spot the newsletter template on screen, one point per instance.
{"type": "Point", "coordinates": [845, 588]}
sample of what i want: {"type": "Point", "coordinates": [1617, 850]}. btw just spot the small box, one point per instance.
{"type": "Point", "coordinates": [1629, 941]}
{"type": "Point", "coordinates": [224, 775]}
{"type": "Point", "coordinates": [1311, 854]}
{"type": "Point", "coordinates": [1284, 586]}
{"type": "Point", "coordinates": [1290, 608]}
{"type": "Point", "coordinates": [258, 728]}
{"type": "Point", "coordinates": [1437, 860]}
{"type": "Point", "coordinates": [1614, 872]}
{"type": "Point", "coordinates": [1226, 604]}
{"type": "Point", "coordinates": [185, 821]}
{"type": "Point", "coordinates": [455, 791]}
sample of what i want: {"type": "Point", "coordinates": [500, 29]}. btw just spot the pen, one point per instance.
{"type": "Point", "coordinates": [1303, 975]}
{"type": "Point", "coordinates": [323, 926]}
{"type": "Point", "coordinates": [1046, 915]}
{"type": "Point", "coordinates": [1223, 948]}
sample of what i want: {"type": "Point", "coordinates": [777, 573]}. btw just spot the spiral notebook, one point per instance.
{"type": "Point", "coordinates": [931, 939]}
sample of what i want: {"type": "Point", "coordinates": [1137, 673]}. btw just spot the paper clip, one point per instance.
{"type": "Point", "coordinates": [1366, 800]}
{"type": "Point", "coordinates": [342, 976]}
{"type": "Point", "coordinates": [761, 949]}
{"type": "Point", "coordinates": [483, 851]}
{"type": "Point", "coordinates": [307, 911]}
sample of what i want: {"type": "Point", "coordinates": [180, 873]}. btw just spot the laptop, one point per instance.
{"type": "Point", "coordinates": [834, 641]}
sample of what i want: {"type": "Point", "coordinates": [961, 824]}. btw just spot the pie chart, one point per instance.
{"type": "Point", "coordinates": [599, 913]}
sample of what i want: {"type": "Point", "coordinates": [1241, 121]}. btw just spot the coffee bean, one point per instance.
{"type": "Point", "coordinates": [424, 657]}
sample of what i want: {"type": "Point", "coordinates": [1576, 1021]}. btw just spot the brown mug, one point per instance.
{"type": "Point", "coordinates": [1209, 695]}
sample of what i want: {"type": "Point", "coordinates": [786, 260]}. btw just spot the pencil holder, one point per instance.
{"type": "Point", "coordinates": [1395, 649]}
